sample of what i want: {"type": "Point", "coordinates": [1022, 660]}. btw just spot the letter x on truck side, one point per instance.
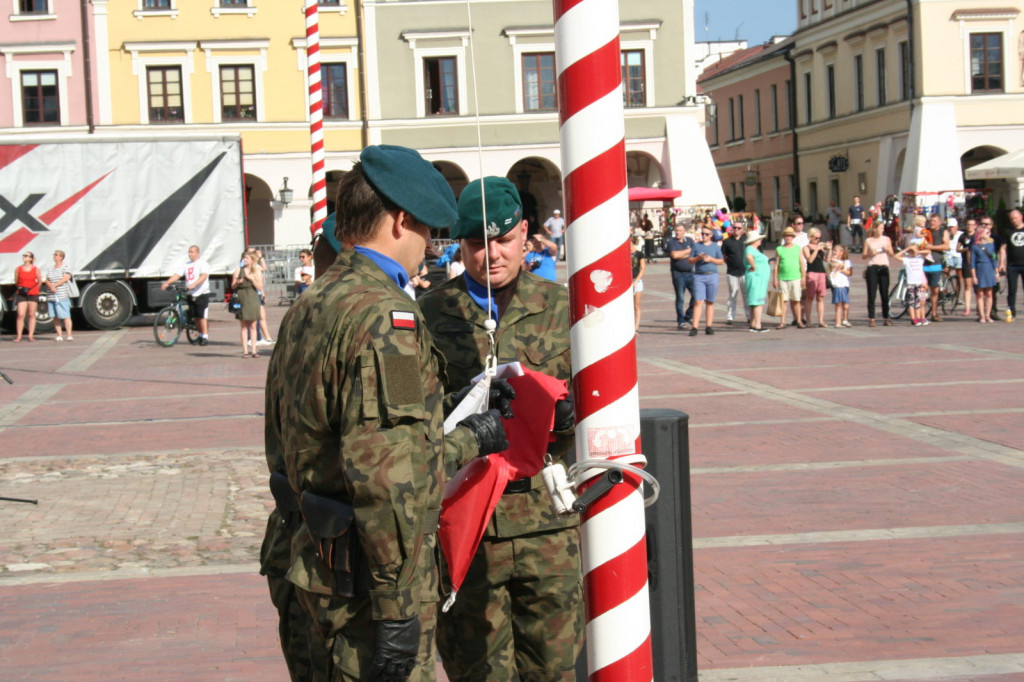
{"type": "Point", "coordinates": [125, 211]}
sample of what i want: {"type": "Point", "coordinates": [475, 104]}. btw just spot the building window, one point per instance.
{"type": "Point", "coordinates": [33, 7]}
{"type": "Point", "coordinates": [441, 91]}
{"type": "Point", "coordinates": [807, 98]}
{"type": "Point", "coordinates": [334, 80]}
{"type": "Point", "coordinates": [830, 82]}
{"type": "Point", "coordinates": [858, 75]}
{"type": "Point", "coordinates": [812, 197]}
{"type": "Point", "coordinates": [238, 93]}
{"type": "Point", "coordinates": [790, 104]}
{"type": "Point", "coordinates": [165, 94]}
{"type": "Point", "coordinates": [156, 4]}
{"type": "Point", "coordinates": [775, 108]}
{"type": "Point", "coordinates": [739, 116]}
{"type": "Point", "coordinates": [40, 98]}
{"type": "Point", "coordinates": [328, 3]}
{"type": "Point", "coordinates": [906, 74]}
{"type": "Point", "coordinates": [714, 130]}
{"type": "Point", "coordinates": [757, 113]}
{"type": "Point", "coordinates": [633, 79]}
{"type": "Point", "coordinates": [777, 192]}
{"type": "Point", "coordinates": [732, 119]}
{"type": "Point", "coordinates": [880, 69]}
{"type": "Point", "coordinates": [234, 3]}
{"type": "Point", "coordinates": [986, 62]}
{"type": "Point", "coordinates": [539, 91]}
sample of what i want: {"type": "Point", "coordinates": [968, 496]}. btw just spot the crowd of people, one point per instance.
{"type": "Point", "coordinates": [805, 268]}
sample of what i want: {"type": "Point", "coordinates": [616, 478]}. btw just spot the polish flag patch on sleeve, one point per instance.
{"type": "Point", "coordinates": [402, 320]}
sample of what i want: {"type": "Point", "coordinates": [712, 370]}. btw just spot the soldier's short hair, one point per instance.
{"type": "Point", "coordinates": [359, 208]}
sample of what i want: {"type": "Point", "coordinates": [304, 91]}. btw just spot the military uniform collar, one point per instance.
{"type": "Point", "coordinates": [364, 266]}
{"type": "Point", "coordinates": [528, 300]}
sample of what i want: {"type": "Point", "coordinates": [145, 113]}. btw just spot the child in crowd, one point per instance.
{"type": "Point", "coordinates": [917, 284]}
{"type": "Point", "coordinates": [839, 277]}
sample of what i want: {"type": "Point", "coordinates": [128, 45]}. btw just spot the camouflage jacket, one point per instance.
{"type": "Point", "coordinates": [533, 330]}
{"type": "Point", "coordinates": [353, 405]}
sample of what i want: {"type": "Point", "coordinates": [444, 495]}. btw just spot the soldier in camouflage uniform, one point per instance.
{"type": "Point", "coordinates": [354, 407]}
{"type": "Point", "coordinates": [519, 611]}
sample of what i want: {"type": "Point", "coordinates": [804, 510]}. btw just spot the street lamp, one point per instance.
{"type": "Point", "coordinates": [285, 194]}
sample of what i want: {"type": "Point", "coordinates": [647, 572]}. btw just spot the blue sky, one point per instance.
{"type": "Point", "coordinates": [752, 20]}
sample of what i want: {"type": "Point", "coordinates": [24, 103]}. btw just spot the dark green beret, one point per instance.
{"type": "Point", "coordinates": [504, 209]}
{"type": "Point", "coordinates": [410, 182]}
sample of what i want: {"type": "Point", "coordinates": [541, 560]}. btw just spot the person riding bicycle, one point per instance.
{"type": "Point", "coordinates": [196, 272]}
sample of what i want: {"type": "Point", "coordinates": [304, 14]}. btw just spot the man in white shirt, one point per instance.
{"type": "Point", "coordinates": [797, 223]}
{"type": "Point", "coordinates": [555, 227]}
{"type": "Point", "coordinates": [196, 272]}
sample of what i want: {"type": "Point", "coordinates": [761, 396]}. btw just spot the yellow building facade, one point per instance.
{"type": "Point", "coordinates": [214, 66]}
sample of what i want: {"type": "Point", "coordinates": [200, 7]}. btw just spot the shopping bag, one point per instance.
{"type": "Point", "coordinates": [776, 306]}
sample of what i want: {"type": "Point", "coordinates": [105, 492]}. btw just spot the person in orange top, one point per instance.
{"type": "Point", "coordinates": [27, 278]}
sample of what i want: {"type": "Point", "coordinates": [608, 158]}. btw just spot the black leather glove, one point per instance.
{"type": "Point", "coordinates": [398, 642]}
{"type": "Point", "coordinates": [500, 397]}
{"type": "Point", "coordinates": [565, 415]}
{"type": "Point", "coordinates": [488, 430]}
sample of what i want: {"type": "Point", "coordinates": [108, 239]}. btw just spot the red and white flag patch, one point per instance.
{"type": "Point", "coordinates": [402, 320]}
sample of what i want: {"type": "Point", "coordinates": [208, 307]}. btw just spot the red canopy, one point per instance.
{"type": "Point", "coordinates": [653, 194]}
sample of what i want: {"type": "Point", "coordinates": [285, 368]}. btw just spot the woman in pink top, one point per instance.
{"type": "Point", "coordinates": [877, 250]}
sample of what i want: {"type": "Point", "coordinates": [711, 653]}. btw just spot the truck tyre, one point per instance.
{"type": "Point", "coordinates": [43, 316]}
{"type": "Point", "coordinates": [106, 305]}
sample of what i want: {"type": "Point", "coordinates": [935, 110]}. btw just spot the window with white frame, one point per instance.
{"type": "Point", "coordinates": [157, 4]}
{"type": "Point", "coordinates": [986, 62]}
{"type": "Point", "coordinates": [634, 78]}
{"type": "Point", "coordinates": [156, 8]}
{"type": "Point", "coordinates": [33, 6]}
{"type": "Point", "coordinates": [539, 83]}
{"type": "Point", "coordinates": [165, 94]}
{"type": "Point", "coordinates": [439, 71]}
{"type": "Point", "coordinates": [441, 86]}
{"type": "Point", "coordinates": [40, 98]}
{"type": "Point", "coordinates": [237, 92]}
{"type": "Point", "coordinates": [334, 83]}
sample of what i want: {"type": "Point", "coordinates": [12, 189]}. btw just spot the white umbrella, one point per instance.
{"type": "Point", "coordinates": [1006, 166]}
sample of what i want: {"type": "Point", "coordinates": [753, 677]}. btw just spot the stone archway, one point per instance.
{"type": "Point", "coordinates": [258, 211]}
{"type": "Point", "coordinates": [453, 175]}
{"type": "Point", "coordinates": [540, 186]}
{"type": "Point", "coordinates": [643, 170]}
{"type": "Point", "coordinates": [999, 189]}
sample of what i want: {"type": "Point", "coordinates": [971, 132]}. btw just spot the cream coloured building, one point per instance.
{"type": "Point", "coordinates": [905, 100]}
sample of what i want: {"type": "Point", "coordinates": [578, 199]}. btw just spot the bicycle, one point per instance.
{"type": "Point", "coordinates": [949, 292]}
{"type": "Point", "coordinates": [174, 318]}
{"type": "Point", "coordinates": [898, 297]}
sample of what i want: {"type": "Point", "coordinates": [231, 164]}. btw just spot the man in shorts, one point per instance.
{"type": "Point", "coordinates": [933, 264]}
{"type": "Point", "coordinates": [196, 272]}
{"type": "Point", "coordinates": [855, 224]}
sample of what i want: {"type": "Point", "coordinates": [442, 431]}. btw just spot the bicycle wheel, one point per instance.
{"type": "Point", "coordinates": [898, 298]}
{"type": "Point", "coordinates": [167, 326]}
{"type": "Point", "coordinates": [949, 295]}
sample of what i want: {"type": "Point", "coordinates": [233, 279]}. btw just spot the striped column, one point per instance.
{"type": "Point", "coordinates": [603, 347]}
{"type": "Point", "coordinates": [316, 115]}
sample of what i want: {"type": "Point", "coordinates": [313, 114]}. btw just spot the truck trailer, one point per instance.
{"type": "Point", "coordinates": [125, 211]}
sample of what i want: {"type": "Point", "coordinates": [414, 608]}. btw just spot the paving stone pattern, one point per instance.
{"type": "Point", "coordinates": [856, 501]}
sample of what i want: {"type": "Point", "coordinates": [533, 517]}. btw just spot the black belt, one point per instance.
{"type": "Point", "coordinates": [520, 485]}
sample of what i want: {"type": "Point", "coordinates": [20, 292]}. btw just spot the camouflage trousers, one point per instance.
{"type": "Point", "coordinates": [350, 637]}
{"type": "Point", "coordinates": [303, 648]}
{"type": "Point", "coordinates": [519, 613]}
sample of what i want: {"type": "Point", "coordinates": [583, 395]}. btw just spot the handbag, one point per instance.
{"type": "Point", "coordinates": [776, 306]}
{"type": "Point", "coordinates": [234, 304]}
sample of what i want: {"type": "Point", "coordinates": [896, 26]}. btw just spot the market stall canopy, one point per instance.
{"type": "Point", "coordinates": [1006, 166]}
{"type": "Point", "coordinates": [653, 194]}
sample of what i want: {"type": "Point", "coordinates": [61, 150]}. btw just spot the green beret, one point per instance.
{"type": "Point", "coordinates": [410, 182]}
{"type": "Point", "coordinates": [504, 209]}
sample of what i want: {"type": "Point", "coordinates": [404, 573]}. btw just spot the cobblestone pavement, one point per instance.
{"type": "Point", "coordinates": [856, 501]}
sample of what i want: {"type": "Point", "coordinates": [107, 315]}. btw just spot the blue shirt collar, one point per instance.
{"type": "Point", "coordinates": [478, 292]}
{"type": "Point", "coordinates": [388, 265]}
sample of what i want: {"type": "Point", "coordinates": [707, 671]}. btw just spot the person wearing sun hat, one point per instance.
{"type": "Point", "coordinates": [788, 274]}
{"type": "Point", "coordinates": [519, 614]}
{"type": "Point", "coordinates": [354, 438]}
{"type": "Point", "coordinates": [758, 272]}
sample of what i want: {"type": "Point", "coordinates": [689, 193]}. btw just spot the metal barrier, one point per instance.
{"type": "Point", "coordinates": [279, 276]}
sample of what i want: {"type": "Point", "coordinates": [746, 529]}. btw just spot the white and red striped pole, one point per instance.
{"type": "Point", "coordinates": [316, 115]}
{"type": "Point", "coordinates": [593, 147]}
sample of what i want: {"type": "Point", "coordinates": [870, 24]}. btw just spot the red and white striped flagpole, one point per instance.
{"type": "Point", "coordinates": [603, 347]}
{"type": "Point", "coordinates": [316, 115]}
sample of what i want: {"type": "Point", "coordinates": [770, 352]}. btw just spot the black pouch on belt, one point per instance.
{"type": "Point", "coordinates": [330, 523]}
{"type": "Point", "coordinates": [285, 498]}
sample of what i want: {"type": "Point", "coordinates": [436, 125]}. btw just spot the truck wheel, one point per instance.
{"type": "Point", "coordinates": [43, 316]}
{"type": "Point", "coordinates": [106, 305]}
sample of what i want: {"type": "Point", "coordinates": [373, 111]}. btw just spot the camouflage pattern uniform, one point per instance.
{"type": "Point", "coordinates": [520, 609]}
{"type": "Point", "coordinates": [354, 403]}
